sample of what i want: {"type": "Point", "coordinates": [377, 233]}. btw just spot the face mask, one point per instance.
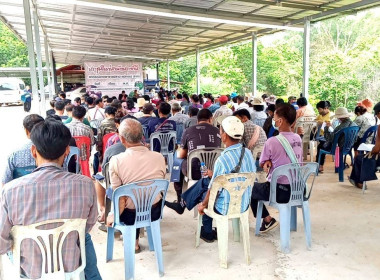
{"type": "Point", "coordinates": [274, 125]}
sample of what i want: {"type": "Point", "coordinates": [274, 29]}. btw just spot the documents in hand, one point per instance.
{"type": "Point", "coordinates": [366, 147]}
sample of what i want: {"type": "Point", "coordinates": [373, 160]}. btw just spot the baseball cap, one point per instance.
{"type": "Point", "coordinates": [233, 127]}
{"type": "Point", "coordinates": [223, 98]}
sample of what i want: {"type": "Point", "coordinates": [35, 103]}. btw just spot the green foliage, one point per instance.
{"type": "Point", "coordinates": [13, 52]}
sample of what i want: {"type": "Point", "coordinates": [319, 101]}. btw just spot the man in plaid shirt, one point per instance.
{"type": "Point", "coordinates": [49, 193]}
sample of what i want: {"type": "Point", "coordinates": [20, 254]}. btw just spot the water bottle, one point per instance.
{"type": "Point", "coordinates": [203, 170]}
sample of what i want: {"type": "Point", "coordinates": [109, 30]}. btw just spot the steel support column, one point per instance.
{"type": "Point", "coordinates": [306, 59]}
{"type": "Point", "coordinates": [32, 64]}
{"type": "Point", "coordinates": [54, 74]}
{"type": "Point", "coordinates": [254, 64]}
{"type": "Point", "coordinates": [198, 61]}
{"type": "Point", "coordinates": [168, 73]}
{"type": "Point", "coordinates": [48, 70]}
{"type": "Point", "coordinates": [39, 63]}
{"type": "Point", "coordinates": [62, 87]}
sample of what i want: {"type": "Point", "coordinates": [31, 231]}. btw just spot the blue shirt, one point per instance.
{"type": "Point", "coordinates": [20, 158]}
{"type": "Point", "coordinates": [227, 161]}
{"type": "Point", "coordinates": [214, 107]}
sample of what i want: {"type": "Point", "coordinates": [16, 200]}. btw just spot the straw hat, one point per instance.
{"type": "Point", "coordinates": [271, 99]}
{"type": "Point", "coordinates": [342, 113]}
{"type": "Point", "coordinates": [140, 102]}
{"type": "Point", "coordinates": [257, 101]}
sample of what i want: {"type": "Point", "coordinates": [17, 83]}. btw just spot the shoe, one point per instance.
{"type": "Point", "coordinates": [208, 237]}
{"type": "Point", "coordinates": [352, 181]}
{"type": "Point", "coordinates": [268, 226]}
{"type": "Point", "coordinates": [175, 206]}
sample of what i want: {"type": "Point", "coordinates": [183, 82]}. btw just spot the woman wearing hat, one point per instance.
{"type": "Point", "coordinates": [258, 116]}
{"type": "Point", "coordinates": [343, 117]}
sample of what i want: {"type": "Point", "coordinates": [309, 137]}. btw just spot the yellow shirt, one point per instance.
{"type": "Point", "coordinates": [325, 118]}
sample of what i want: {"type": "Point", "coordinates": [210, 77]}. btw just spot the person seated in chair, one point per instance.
{"type": "Point", "coordinates": [202, 135]}
{"type": "Point", "coordinates": [177, 116]}
{"type": "Point", "coordinates": [355, 177]}
{"type": "Point", "coordinates": [22, 157]}
{"type": "Point", "coordinates": [77, 126]}
{"type": "Point", "coordinates": [192, 120]}
{"type": "Point", "coordinates": [231, 132]}
{"type": "Point", "coordinates": [131, 166]}
{"type": "Point", "coordinates": [343, 116]}
{"type": "Point", "coordinates": [49, 193]}
{"type": "Point", "coordinates": [273, 156]}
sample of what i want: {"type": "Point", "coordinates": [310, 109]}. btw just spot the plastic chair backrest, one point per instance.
{"type": "Point", "coordinates": [206, 155]}
{"type": "Point", "coordinates": [164, 137]}
{"type": "Point", "coordinates": [308, 125]}
{"type": "Point", "coordinates": [350, 134]}
{"type": "Point", "coordinates": [297, 175]}
{"type": "Point", "coordinates": [84, 145]}
{"type": "Point", "coordinates": [235, 184]}
{"type": "Point", "coordinates": [50, 242]}
{"type": "Point", "coordinates": [257, 150]}
{"type": "Point", "coordinates": [146, 133]}
{"type": "Point", "coordinates": [105, 140]}
{"type": "Point", "coordinates": [74, 151]}
{"type": "Point", "coordinates": [371, 132]}
{"type": "Point", "coordinates": [143, 194]}
{"type": "Point", "coordinates": [218, 121]}
{"type": "Point", "coordinates": [95, 123]}
{"type": "Point", "coordinates": [22, 171]}
{"type": "Point", "coordinates": [179, 130]}
{"type": "Point", "coordinates": [259, 122]}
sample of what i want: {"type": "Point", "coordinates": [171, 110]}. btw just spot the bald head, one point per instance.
{"type": "Point", "coordinates": [131, 130]}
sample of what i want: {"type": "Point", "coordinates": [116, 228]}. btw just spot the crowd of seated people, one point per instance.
{"type": "Point", "coordinates": [134, 119]}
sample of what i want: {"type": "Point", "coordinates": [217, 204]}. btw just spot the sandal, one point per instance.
{"type": "Point", "coordinates": [102, 217]}
{"type": "Point", "coordinates": [138, 250]}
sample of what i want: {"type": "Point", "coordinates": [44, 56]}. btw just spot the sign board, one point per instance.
{"type": "Point", "coordinates": [110, 78]}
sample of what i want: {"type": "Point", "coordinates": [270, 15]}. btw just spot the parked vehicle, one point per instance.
{"type": "Point", "coordinates": [78, 92]}
{"type": "Point", "coordinates": [11, 90]}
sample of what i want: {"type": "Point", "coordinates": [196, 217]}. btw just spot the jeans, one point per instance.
{"type": "Point", "coordinates": [261, 191]}
{"type": "Point", "coordinates": [96, 162]}
{"type": "Point", "coordinates": [91, 270]}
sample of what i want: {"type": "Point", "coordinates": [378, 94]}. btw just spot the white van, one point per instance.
{"type": "Point", "coordinates": [11, 90]}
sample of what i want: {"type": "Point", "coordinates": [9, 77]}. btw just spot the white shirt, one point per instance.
{"type": "Point", "coordinates": [96, 113]}
{"type": "Point", "coordinates": [242, 105]}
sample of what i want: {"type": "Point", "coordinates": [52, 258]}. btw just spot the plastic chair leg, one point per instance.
{"type": "Point", "coordinates": [156, 235]}
{"type": "Point", "coordinates": [307, 223]}
{"type": "Point", "coordinates": [129, 238]}
{"type": "Point", "coordinates": [258, 217]}
{"type": "Point", "coordinates": [198, 234]}
{"type": "Point", "coordinates": [244, 221]}
{"type": "Point", "coordinates": [170, 161]}
{"type": "Point", "coordinates": [196, 213]}
{"type": "Point", "coordinates": [293, 219]}
{"type": "Point", "coordinates": [110, 243]}
{"type": "Point", "coordinates": [150, 239]}
{"type": "Point", "coordinates": [285, 210]}
{"type": "Point", "coordinates": [364, 187]}
{"type": "Point", "coordinates": [236, 229]}
{"type": "Point", "coordinates": [222, 224]}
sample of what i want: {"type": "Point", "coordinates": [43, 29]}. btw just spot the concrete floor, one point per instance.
{"type": "Point", "coordinates": [345, 236]}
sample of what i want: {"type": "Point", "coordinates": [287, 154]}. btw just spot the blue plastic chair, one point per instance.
{"type": "Point", "coordinates": [167, 140]}
{"type": "Point", "coordinates": [370, 132]}
{"type": "Point", "coordinates": [22, 171]}
{"type": "Point", "coordinates": [297, 174]}
{"type": "Point", "coordinates": [350, 134]}
{"type": "Point", "coordinates": [143, 194]}
{"type": "Point", "coordinates": [74, 151]}
{"type": "Point", "coordinates": [179, 130]}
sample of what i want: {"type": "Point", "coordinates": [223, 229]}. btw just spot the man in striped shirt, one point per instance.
{"type": "Point", "coordinates": [231, 132]}
{"type": "Point", "coordinates": [77, 127]}
{"type": "Point", "coordinates": [49, 193]}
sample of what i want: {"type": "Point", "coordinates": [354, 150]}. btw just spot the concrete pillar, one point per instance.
{"type": "Point", "coordinates": [198, 61]}
{"type": "Point", "coordinates": [32, 64]}
{"type": "Point", "coordinates": [48, 70]}
{"type": "Point", "coordinates": [168, 73]}
{"type": "Point", "coordinates": [306, 59]}
{"type": "Point", "coordinates": [254, 64]}
{"type": "Point", "coordinates": [39, 63]}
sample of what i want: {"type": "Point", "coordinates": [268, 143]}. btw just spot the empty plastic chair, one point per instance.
{"type": "Point", "coordinates": [146, 133]}
{"type": "Point", "coordinates": [179, 130]}
{"type": "Point", "coordinates": [50, 242]}
{"type": "Point", "coordinates": [74, 152]}
{"type": "Point", "coordinates": [297, 174]}
{"type": "Point", "coordinates": [84, 145]}
{"type": "Point", "coordinates": [349, 134]}
{"type": "Point", "coordinates": [143, 195]}
{"type": "Point", "coordinates": [22, 171]}
{"type": "Point", "coordinates": [165, 138]}
{"type": "Point", "coordinates": [370, 133]}
{"type": "Point", "coordinates": [236, 184]}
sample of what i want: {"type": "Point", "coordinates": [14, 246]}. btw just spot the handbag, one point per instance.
{"type": "Point", "coordinates": [369, 167]}
{"type": "Point", "coordinates": [175, 175]}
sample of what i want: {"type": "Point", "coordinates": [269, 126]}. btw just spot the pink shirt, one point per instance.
{"type": "Point", "coordinates": [274, 152]}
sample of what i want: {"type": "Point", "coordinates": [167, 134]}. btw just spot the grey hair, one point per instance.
{"type": "Point", "coordinates": [131, 130]}
{"type": "Point", "coordinates": [176, 107]}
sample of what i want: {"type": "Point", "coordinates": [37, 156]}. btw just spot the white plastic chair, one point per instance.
{"type": "Point", "coordinates": [218, 120]}
{"type": "Point", "coordinates": [235, 184]}
{"type": "Point", "coordinates": [308, 125]}
{"type": "Point", "coordinates": [165, 138]}
{"type": "Point", "coordinates": [297, 174]}
{"type": "Point", "coordinates": [206, 155]}
{"type": "Point", "coordinates": [50, 242]}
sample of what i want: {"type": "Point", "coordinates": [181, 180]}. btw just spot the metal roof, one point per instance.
{"type": "Point", "coordinates": [83, 30]}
